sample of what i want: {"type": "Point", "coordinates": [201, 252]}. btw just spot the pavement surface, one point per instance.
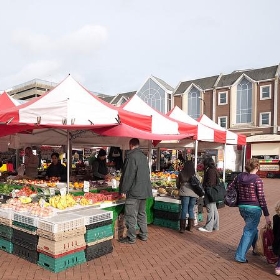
{"type": "Point", "coordinates": [166, 255]}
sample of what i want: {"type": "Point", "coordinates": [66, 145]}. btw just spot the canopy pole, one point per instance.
{"type": "Point", "coordinates": [158, 159]}
{"type": "Point", "coordinates": [224, 167]}
{"type": "Point", "coordinates": [244, 158]}
{"type": "Point", "coordinates": [150, 156]}
{"type": "Point", "coordinates": [68, 160]}
{"type": "Point", "coordinates": [195, 155]}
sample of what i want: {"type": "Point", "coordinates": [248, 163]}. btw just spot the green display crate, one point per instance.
{"type": "Point", "coordinates": [60, 264]}
{"type": "Point", "coordinates": [167, 223]}
{"type": "Point", "coordinates": [6, 246]}
{"type": "Point", "coordinates": [92, 235]}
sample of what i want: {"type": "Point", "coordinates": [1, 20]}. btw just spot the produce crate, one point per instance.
{"type": "Point", "coordinates": [60, 264]}
{"type": "Point", "coordinates": [63, 254]}
{"type": "Point", "coordinates": [7, 214]}
{"type": "Point", "coordinates": [6, 245]}
{"type": "Point", "coordinates": [24, 227]}
{"type": "Point", "coordinates": [167, 206]}
{"type": "Point", "coordinates": [24, 253]}
{"type": "Point", "coordinates": [59, 236]}
{"type": "Point", "coordinates": [54, 248]}
{"type": "Point", "coordinates": [6, 232]}
{"type": "Point", "coordinates": [99, 241]}
{"type": "Point", "coordinates": [25, 219]}
{"type": "Point", "coordinates": [149, 210]}
{"type": "Point", "coordinates": [167, 223]}
{"type": "Point", "coordinates": [174, 216]}
{"type": "Point", "coordinates": [99, 224]}
{"type": "Point", "coordinates": [98, 233]}
{"type": "Point", "coordinates": [63, 222]}
{"type": "Point", "coordinates": [98, 250]}
{"type": "Point", "coordinates": [93, 216]}
{"type": "Point", "coordinates": [6, 222]}
{"type": "Point", "coordinates": [117, 210]}
{"type": "Point", "coordinates": [25, 240]}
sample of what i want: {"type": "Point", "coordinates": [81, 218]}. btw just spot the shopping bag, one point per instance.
{"type": "Point", "coordinates": [268, 238]}
{"type": "Point", "coordinates": [197, 186]}
{"type": "Point", "coordinates": [216, 193]}
{"type": "Point", "coordinates": [231, 197]}
{"type": "Point", "coordinates": [259, 244]}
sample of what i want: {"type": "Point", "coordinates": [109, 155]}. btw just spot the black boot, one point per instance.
{"type": "Point", "coordinates": [182, 225]}
{"type": "Point", "coordinates": [190, 224]}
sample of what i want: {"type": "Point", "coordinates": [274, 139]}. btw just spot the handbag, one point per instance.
{"type": "Point", "coordinates": [231, 197]}
{"type": "Point", "coordinates": [259, 244]}
{"type": "Point", "coordinates": [216, 193]}
{"type": "Point", "coordinates": [197, 186]}
{"type": "Point", "coordinates": [268, 238]}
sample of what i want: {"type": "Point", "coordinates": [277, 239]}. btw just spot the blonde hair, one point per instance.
{"type": "Point", "coordinates": [251, 164]}
{"type": "Point", "coordinates": [277, 208]}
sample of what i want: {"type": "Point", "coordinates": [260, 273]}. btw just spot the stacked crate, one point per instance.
{"type": "Point", "coordinates": [61, 242]}
{"type": "Point", "coordinates": [6, 231]}
{"type": "Point", "coordinates": [99, 232]}
{"type": "Point", "coordinates": [167, 212]}
{"type": "Point", "coordinates": [25, 237]}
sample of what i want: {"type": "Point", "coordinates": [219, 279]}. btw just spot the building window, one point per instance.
{"type": "Point", "coordinates": [265, 92]}
{"type": "Point", "coordinates": [222, 121]}
{"type": "Point", "coordinates": [222, 98]}
{"type": "Point", "coordinates": [194, 103]}
{"type": "Point", "coordinates": [153, 95]}
{"type": "Point", "coordinates": [244, 102]}
{"type": "Point", "coordinates": [265, 119]}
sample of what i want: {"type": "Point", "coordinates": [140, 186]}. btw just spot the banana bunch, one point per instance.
{"type": "Point", "coordinates": [84, 201]}
{"type": "Point", "coordinates": [62, 202]}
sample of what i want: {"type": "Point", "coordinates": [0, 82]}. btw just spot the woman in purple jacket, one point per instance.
{"type": "Point", "coordinates": [251, 203]}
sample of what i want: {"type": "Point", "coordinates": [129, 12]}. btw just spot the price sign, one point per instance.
{"type": "Point", "coordinates": [86, 186]}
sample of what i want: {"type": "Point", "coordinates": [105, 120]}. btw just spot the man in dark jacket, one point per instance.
{"type": "Point", "coordinates": [56, 169]}
{"type": "Point", "coordinates": [135, 186]}
{"type": "Point", "coordinates": [99, 166]}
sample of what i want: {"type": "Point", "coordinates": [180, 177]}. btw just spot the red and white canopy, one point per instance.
{"type": "Point", "coordinates": [69, 106]}
{"type": "Point", "coordinates": [231, 137]}
{"type": "Point", "coordinates": [204, 133]}
{"type": "Point", "coordinates": [6, 101]}
{"type": "Point", "coordinates": [161, 124]}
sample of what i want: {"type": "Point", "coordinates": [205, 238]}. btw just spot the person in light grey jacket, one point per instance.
{"type": "Point", "coordinates": [187, 195]}
{"type": "Point", "coordinates": [135, 186]}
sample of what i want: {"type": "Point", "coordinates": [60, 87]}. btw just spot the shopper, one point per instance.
{"type": "Point", "coordinates": [210, 179]}
{"type": "Point", "coordinates": [135, 186]}
{"type": "Point", "coordinates": [251, 203]}
{"type": "Point", "coordinates": [31, 163]}
{"type": "Point", "coordinates": [187, 195]}
{"type": "Point", "coordinates": [99, 166]}
{"type": "Point", "coordinates": [276, 233]}
{"type": "Point", "coordinates": [56, 169]}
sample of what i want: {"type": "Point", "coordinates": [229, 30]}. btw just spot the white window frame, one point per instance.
{"type": "Point", "coordinates": [269, 121]}
{"type": "Point", "coordinates": [223, 117]}
{"type": "Point", "coordinates": [264, 98]}
{"type": "Point", "coordinates": [219, 98]}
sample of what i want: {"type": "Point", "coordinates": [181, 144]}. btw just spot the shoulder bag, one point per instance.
{"type": "Point", "coordinates": [196, 186]}
{"type": "Point", "coordinates": [216, 193]}
{"type": "Point", "coordinates": [231, 197]}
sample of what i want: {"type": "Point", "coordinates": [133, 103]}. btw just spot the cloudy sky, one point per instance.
{"type": "Point", "coordinates": [113, 46]}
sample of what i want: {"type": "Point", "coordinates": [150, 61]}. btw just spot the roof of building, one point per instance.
{"type": "Point", "coordinates": [256, 74]}
{"type": "Point", "coordinates": [167, 86]}
{"type": "Point", "coordinates": [227, 80]}
{"type": "Point", "coordinates": [203, 83]}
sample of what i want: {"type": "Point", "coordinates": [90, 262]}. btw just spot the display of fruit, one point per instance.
{"type": "Point", "coordinates": [25, 199]}
{"type": "Point", "coordinates": [162, 191]}
{"type": "Point", "coordinates": [62, 202]}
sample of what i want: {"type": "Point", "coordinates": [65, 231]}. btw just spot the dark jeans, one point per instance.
{"type": "Point", "coordinates": [135, 214]}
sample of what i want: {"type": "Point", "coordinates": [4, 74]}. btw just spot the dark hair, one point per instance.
{"type": "Point", "coordinates": [134, 142]}
{"type": "Point", "coordinates": [55, 154]}
{"type": "Point", "coordinates": [188, 169]}
{"type": "Point", "coordinates": [209, 162]}
{"type": "Point", "coordinates": [251, 164]}
{"type": "Point", "coordinates": [102, 153]}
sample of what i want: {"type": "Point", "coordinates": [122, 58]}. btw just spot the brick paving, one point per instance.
{"type": "Point", "coordinates": [166, 255]}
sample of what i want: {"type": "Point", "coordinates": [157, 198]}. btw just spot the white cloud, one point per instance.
{"type": "Point", "coordinates": [84, 40]}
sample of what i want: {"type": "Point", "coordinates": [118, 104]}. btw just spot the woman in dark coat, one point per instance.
{"type": "Point", "coordinates": [210, 179]}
